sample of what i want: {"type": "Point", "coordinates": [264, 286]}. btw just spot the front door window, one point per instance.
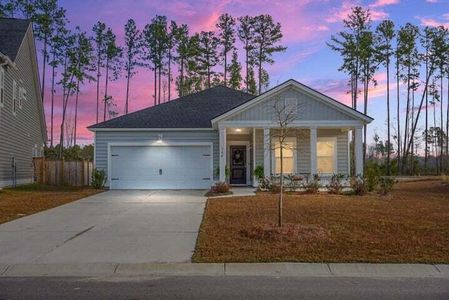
{"type": "Point", "coordinates": [238, 165]}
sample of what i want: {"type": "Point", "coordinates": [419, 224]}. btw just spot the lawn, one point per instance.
{"type": "Point", "coordinates": [410, 225]}
{"type": "Point", "coordinates": [30, 199]}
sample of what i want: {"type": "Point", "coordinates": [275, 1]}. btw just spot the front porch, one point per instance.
{"type": "Point", "coordinates": [323, 150]}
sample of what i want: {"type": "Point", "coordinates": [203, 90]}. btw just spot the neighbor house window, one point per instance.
{"type": "Point", "coordinates": [22, 96]}
{"type": "Point", "coordinates": [326, 155]}
{"type": "Point", "coordinates": [2, 86]}
{"type": "Point", "coordinates": [14, 96]}
{"type": "Point", "coordinates": [288, 156]}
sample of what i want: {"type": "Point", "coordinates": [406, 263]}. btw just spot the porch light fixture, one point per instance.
{"type": "Point", "coordinates": [238, 130]}
{"type": "Point", "coordinates": [159, 138]}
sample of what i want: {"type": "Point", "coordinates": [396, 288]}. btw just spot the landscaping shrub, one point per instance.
{"type": "Point", "coordinates": [372, 173]}
{"type": "Point", "coordinates": [220, 188]}
{"type": "Point", "coordinates": [358, 185]}
{"type": "Point", "coordinates": [293, 182]}
{"type": "Point", "coordinates": [259, 172]}
{"type": "Point", "coordinates": [386, 185]}
{"type": "Point", "coordinates": [313, 186]}
{"type": "Point", "coordinates": [265, 184]}
{"type": "Point", "coordinates": [98, 179]}
{"type": "Point", "coordinates": [336, 186]}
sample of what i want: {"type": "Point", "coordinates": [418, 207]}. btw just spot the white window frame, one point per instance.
{"type": "Point", "coordinates": [292, 140]}
{"type": "Point", "coordinates": [334, 141]}
{"type": "Point", "coordinates": [2, 86]}
{"type": "Point", "coordinates": [14, 97]}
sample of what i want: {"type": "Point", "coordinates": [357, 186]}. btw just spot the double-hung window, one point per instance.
{"type": "Point", "coordinates": [288, 156]}
{"type": "Point", "coordinates": [326, 155]}
{"type": "Point", "coordinates": [2, 86]}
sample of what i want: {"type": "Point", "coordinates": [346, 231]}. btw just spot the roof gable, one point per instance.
{"type": "Point", "coordinates": [311, 106]}
{"type": "Point", "coordinates": [12, 33]}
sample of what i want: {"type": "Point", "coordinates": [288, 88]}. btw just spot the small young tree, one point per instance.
{"type": "Point", "coordinates": [283, 114]}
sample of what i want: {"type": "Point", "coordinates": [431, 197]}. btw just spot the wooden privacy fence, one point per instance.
{"type": "Point", "coordinates": [62, 172]}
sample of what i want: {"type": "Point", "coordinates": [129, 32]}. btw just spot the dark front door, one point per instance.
{"type": "Point", "coordinates": [238, 165]}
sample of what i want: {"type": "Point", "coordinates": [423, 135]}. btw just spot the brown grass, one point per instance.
{"type": "Point", "coordinates": [410, 225]}
{"type": "Point", "coordinates": [30, 199]}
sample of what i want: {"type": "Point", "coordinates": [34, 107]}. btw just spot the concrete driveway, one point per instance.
{"type": "Point", "coordinates": [115, 226]}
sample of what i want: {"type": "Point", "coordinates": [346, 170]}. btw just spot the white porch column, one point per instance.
{"type": "Point", "coordinates": [313, 154]}
{"type": "Point", "coordinates": [266, 152]}
{"type": "Point", "coordinates": [222, 165]}
{"type": "Point", "coordinates": [255, 182]}
{"type": "Point", "coordinates": [358, 150]}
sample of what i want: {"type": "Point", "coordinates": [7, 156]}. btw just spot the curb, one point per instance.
{"type": "Point", "coordinates": [227, 269]}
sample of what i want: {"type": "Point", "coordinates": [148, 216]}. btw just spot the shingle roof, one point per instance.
{"type": "Point", "coordinates": [12, 32]}
{"type": "Point", "coordinates": [191, 111]}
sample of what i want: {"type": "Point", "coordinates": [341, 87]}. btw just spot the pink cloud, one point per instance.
{"type": "Point", "coordinates": [432, 22]}
{"type": "Point", "coordinates": [380, 3]}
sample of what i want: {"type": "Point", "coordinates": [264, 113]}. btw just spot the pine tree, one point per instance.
{"type": "Point", "coordinates": [226, 37]}
{"type": "Point", "coordinates": [113, 54]}
{"type": "Point", "coordinates": [246, 36]}
{"type": "Point", "coordinates": [183, 50]}
{"type": "Point", "coordinates": [99, 30]}
{"type": "Point", "coordinates": [207, 55]}
{"type": "Point", "coordinates": [235, 70]}
{"type": "Point", "coordinates": [133, 44]}
{"type": "Point", "coordinates": [267, 36]}
{"type": "Point", "coordinates": [385, 34]}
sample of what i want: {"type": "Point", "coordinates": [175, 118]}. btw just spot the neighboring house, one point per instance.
{"type": "Point", "coordinates": [22, 123]}
{"type": "Point", "coordinates": [189, 142]}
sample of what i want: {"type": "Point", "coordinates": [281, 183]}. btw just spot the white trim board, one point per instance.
{"type": "Point", "coordinates": [302, 88]}
{"type": "Point", "coordinates": [150, 129]}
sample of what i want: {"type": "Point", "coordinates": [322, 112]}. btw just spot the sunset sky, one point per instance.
{"type": "Point", "coordinates": [307, 26]}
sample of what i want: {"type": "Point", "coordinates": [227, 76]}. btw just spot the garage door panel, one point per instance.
{"type": "Point", "coordinates": [182, 167]}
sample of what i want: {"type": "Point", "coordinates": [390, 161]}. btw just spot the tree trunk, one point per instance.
{"type": "Point", "coordinates": [260, 70]}
{"type": "Point", "coordinates": [44, 66]}
{"type": "Point", "coordinates": [441, 121]}
{"type": "Point", "coordinates": [76, 110]}
{"type": "Point", "coordinates": [225, 67]}
{"type": "Point", "coordinates": [406, 126]}
{"type": "Point", "coordinates": [388, 116]}
{"type": "Point", "coordinates": [398, 116]}
{"type": "Point", "coordinates": [105, 100]}
{"type": "Point", "coordinates": [365, 111]}
{"type": "Point", "coordinates": [181, 79]}
{"type": "Point", "coordinates": [53, 75]}
{"type": "Point", "coordinates": [247, 65]}
{"type": "Point", "coordinates": [426, 150]}
{"type": "Point", "coordinates": [447, 125]}
{"type": "Point", "coordinates": [155, 85]}
{"type": "Point", "coordinates": [169, 75]}
{"type": "Point", "coordinates": [127, 90]}
{"type": "Point", "coordinates": [98, 85]}
{"type": "Point", "coordinates": [281, 194]}
{"type": "Point", "coordinates": [159, 85]}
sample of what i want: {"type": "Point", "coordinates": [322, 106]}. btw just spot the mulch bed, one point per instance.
{"type": "Point", "coordinates": [409, 226]}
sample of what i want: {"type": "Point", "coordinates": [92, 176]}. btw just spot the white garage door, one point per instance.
{"type": "Point", "coordinates": [161, 167]}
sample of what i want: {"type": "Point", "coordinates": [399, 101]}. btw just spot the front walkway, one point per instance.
{"type": "Point", "coordinates": [112, 227]}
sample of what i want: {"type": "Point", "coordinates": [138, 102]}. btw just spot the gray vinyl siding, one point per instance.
{"type": "Point", "coordinates": [20, 133]}
{"type": "Point", "coordinates": [308, 108]}
{"type": "Point", "coordinates": [303, 151]}
{"type": "Point", "coordinates": [259, 147]}
{"type": "Point", "coordinates": [102, 138]}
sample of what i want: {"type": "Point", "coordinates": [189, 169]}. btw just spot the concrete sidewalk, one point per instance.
{"type": "Point", "coordinates": [228, 269]}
